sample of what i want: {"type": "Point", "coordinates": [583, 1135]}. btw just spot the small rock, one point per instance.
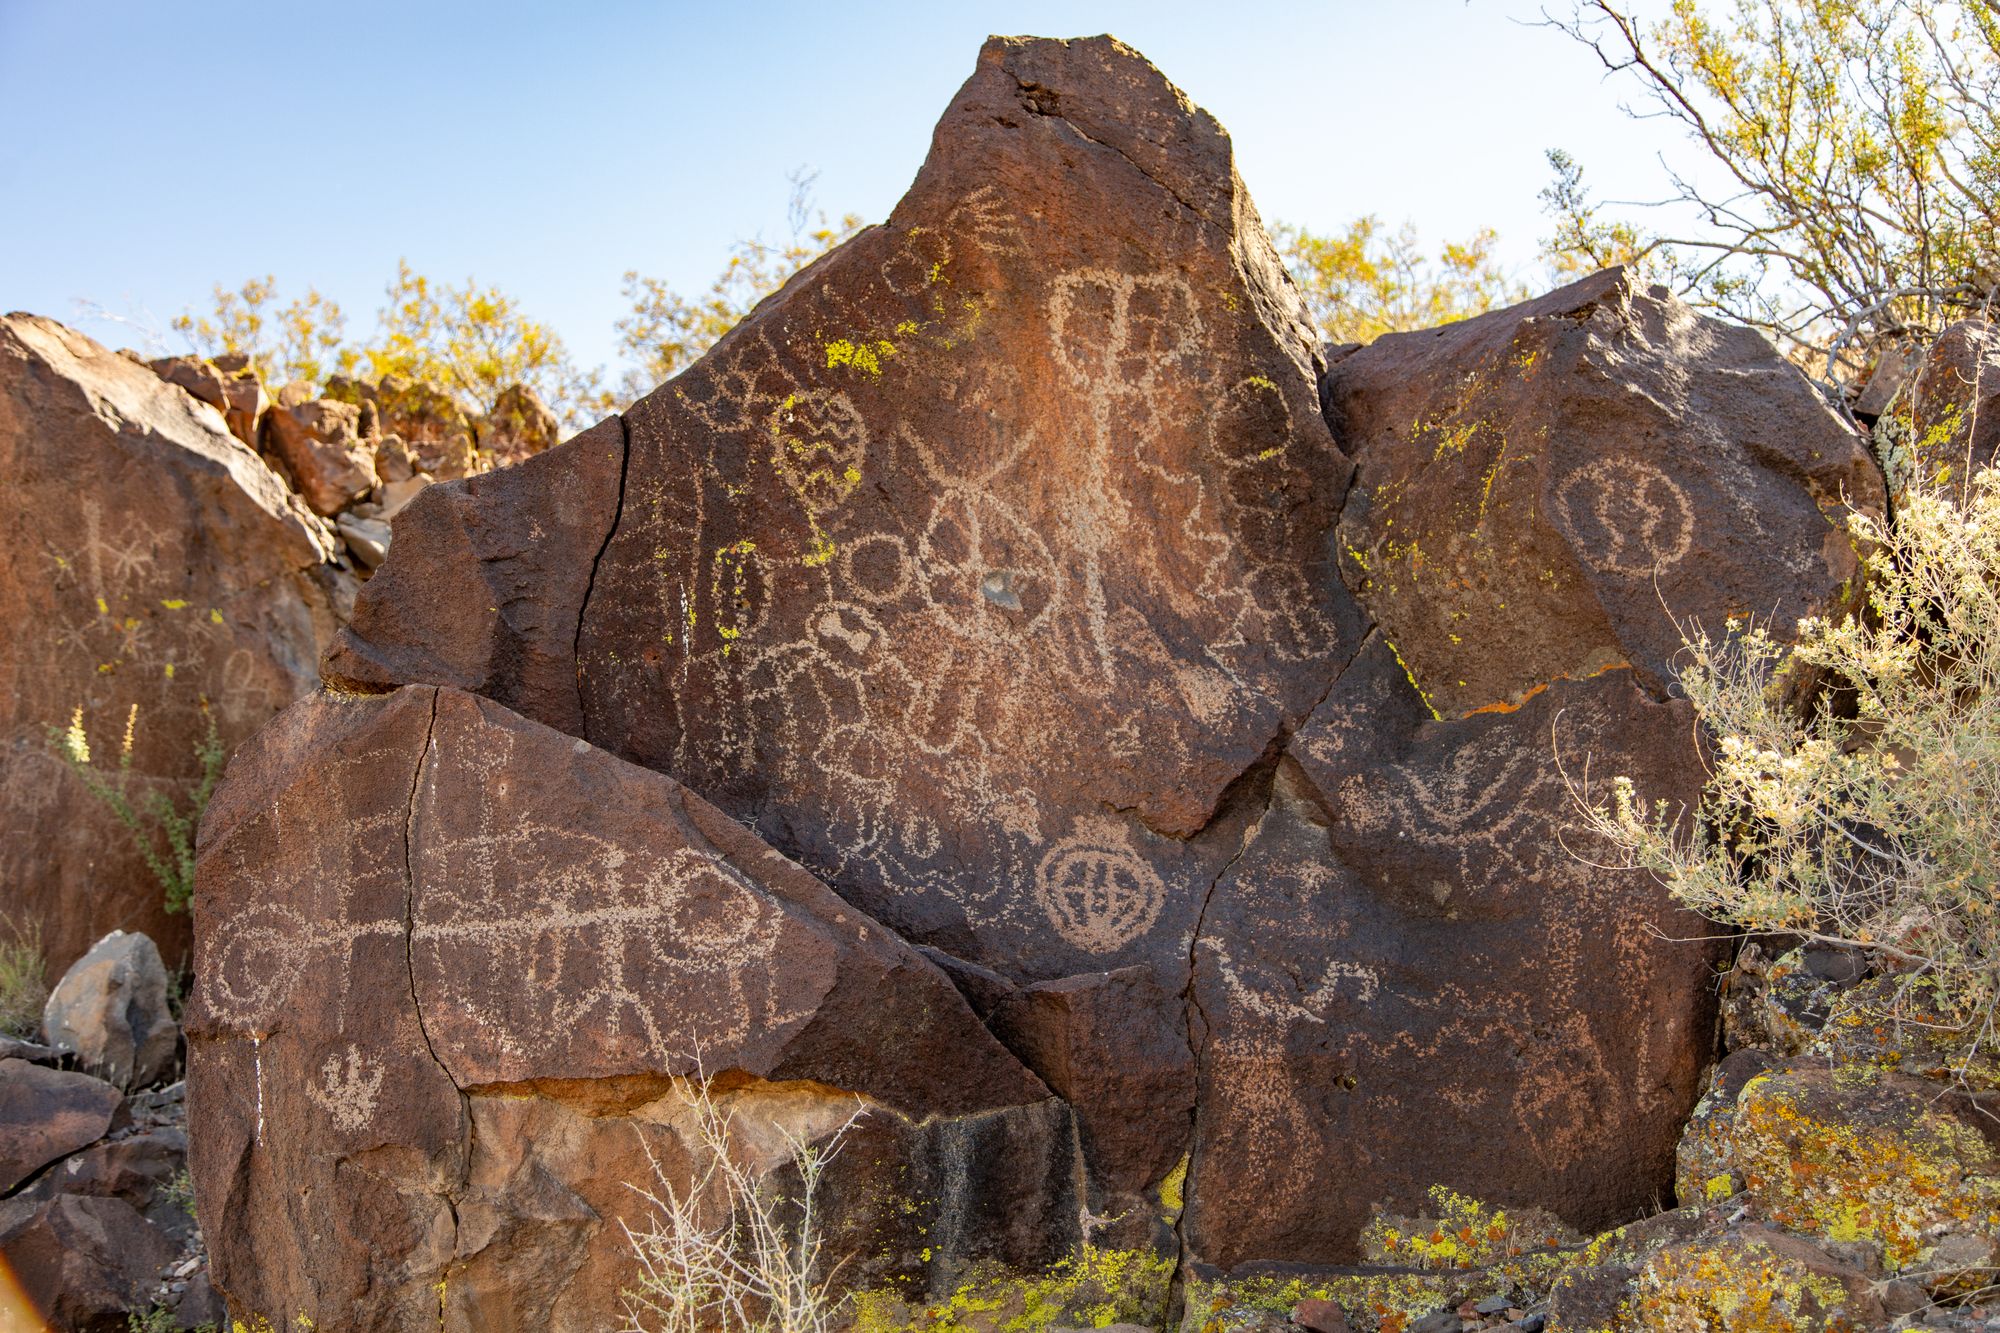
{"type": "Point", "coordinates": [1492, 1305]}
{"type": "Point", "coordinates": [1903, 1296]}
{"type": "Point", "coordinates": [199, 1306]}
{"type": "Point", "coordinates": [393, 495]}
{"type": "Point", "coordinates": [1839, 966]}
{"type": "Point", "coordinates": [1320, 1316]}
{"type": "Point", "coordinates": [1438, 1321]}
{"type": "Point", "coordinates": [368, 538]}
{"type": "Point", "coordinates": [320, 444]}
{"type": "Point", "coordinates": [13, 1048]}
{"type": "Point", "coordinates": [110, 1011]}
{"type": "Point", "coordinates": [47, 1114]}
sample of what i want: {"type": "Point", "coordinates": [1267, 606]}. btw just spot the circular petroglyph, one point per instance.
{"type": "Point", "coordinates": [262, 951]}
{"type": "Point", "coordinates": [876, 567]}
{"type": "Point", "coordinates": [1097, 891]}
{"type": "Point", "coordinates": [983, 569]}
{"type": "Point", "coordinates": [1626, 517]}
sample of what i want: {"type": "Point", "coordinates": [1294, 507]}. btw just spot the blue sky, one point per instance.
{"type": "Point", "coordinates": [154, 150]}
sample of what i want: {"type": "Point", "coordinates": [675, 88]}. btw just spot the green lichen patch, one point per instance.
{"type": "Point", "coordinates": [1092, 1289]}
{"type": "Point", "coordinates": [1737, 1284]}
{"type": "Point", "coordinates": [1856, 1155]}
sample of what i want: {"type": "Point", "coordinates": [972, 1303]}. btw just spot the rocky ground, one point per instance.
{"type": "Point", "coordinates": [97, 1218]}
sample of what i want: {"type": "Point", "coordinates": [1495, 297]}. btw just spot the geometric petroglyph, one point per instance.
{"type": "Point", "coordinates": [1097, 891]}
{"type": "Point", "coordinates": [1628, 517]}
{"type": "Point", "coordinates": [1475, 804]}
{"type": "Point", "coordinates": [588, 935]}
{"type": "Point", "coordinates": [622, 929]}
{"type": "Point", "coordinates": [1293, 1002]}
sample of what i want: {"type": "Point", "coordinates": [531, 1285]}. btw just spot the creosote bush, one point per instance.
{"type": "Point", "coordinates": [1881, 829]}
{"type": "Point", "coordinates": [163, 832]}
{"type": "Point", "coordinates": [729, 1250]}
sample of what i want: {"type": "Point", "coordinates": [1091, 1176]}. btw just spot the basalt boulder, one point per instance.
{"type": "Point", "coordinates": [1951, 410]}
{"type": "Point", "coordinates": [1002, 571]}
{"type": "Point", "coordinates": [454, 970]}
{"type": "Point", "coordinates": [158, 577]}
{"type": "Point", "coordinates": [1544, 490]}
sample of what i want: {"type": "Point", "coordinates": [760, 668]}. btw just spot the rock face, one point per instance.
{"type": "Point", "coordinates": [1953, 407]}
{"type": "Point", "coordinates": [110, 1012]}
{"type": "Point", "coordinates": [989, 574]}
{"type": "Point", "coordinates": [46, 1114]}
{"type": "Point", "coordinates": [450, 957]}
{"type": "Point", "coordinates": [155, 563]}
{"type": "Point", "coordinates": [1536, 484]}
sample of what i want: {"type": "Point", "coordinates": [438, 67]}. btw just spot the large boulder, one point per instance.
{"type": "Point", "coordinates": [155, 564]}
{"type": "Point", "coordinates": [519, 426]}
{"type": "Point", "coordinates": [1544, 491]}
{"type": "Point", "coordinates": [1415, 961]}
{"type": "Point", "coordinates": [454, 968]}
{"type": "Point", "coordinates": [46, 1114]}
{"type": "Point", "coordinates": [1951, 410]}
{"type": "Point", "coordinates": [989, 572]}
{"type": "Point", "coordinates": [110, 1012]}
{"type": "Point", "coordinates": [88, 1262]}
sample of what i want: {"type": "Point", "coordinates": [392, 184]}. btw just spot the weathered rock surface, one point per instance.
{"type": "Point", "coordinates": [1539, 487]}
{"type": "Point", "coordinates": [85, 1260]}
{"type": "Point", "coordinates": [519, 427]}
{"type": "Point", "coordinates": [46, 1114]}
{"type": "Point", "coordinates": [1408, 965]}
{"type": "Point", "coordinates": [1851, 1154]}
{"type": "Point", "coordinates": [153, 562]}
{"type": "Point", "coordinates": [450, 965]}
{"type": "Point", "coordinates": [989, 573]}
{"type": "Point", "coordinates": [1953, 408]}
{"type": "Point", "coordinates": [110, 1011]}
{"type": "Point", "coordinates": [227, 384]}
{"type": "Point", "coordinates": [321, 447]}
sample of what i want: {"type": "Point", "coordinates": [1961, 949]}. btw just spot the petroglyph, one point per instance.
{"type": "Point", "coordinates": [1283, 1006]}
{"type": "Point", "coordinates": [1475, 805]}
{"type": "Point", "coordinates": [507, 914]}
{"type": "Point", "coordinates": [348, 1091]}
{"type": "Point", "coordinates": [1097, 891]}
{"type": "Point", "coordinates": [1626, 516]}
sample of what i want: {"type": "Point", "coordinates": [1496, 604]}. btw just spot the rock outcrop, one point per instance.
{"type": "Point", "coordinates": [451, 967]}
{"type": "Point", "coordinates": [1538, 486]}
{"type": "Point", "coordinates": [154, 564]}
{"type": "Point", "coordinates": [1003, 575]}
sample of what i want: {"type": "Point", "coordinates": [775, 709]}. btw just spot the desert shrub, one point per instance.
{"type": "Point", "coordinates": [730, 1250]}
{"type": "Point", "coordinates": [23, 979]}
{"type": "Point", "coordinates": [162, 830]}
{"type": "Point", "coordinates": [1872, 817]}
